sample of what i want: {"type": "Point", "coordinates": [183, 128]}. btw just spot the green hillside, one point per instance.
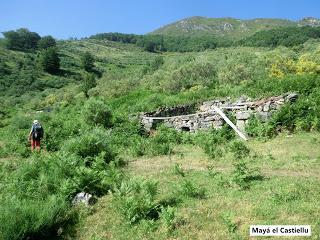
{"type": "Point", "coordinates": [227, 27]}
{"type": "Point", "coordinates": [167, 184]}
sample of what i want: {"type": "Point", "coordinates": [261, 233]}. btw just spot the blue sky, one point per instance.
{"type": "Point", "coordinates": [81, 18]}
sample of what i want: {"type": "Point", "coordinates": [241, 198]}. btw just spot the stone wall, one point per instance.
{"type": "Point", "coordinates": [205, 117]}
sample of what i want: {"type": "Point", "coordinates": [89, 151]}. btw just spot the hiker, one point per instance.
{"type": "Point", "coordinates": [35, 135]}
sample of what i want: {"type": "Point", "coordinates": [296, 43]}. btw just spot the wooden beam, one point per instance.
{"type": "Point", "coordinates": [234, 127]}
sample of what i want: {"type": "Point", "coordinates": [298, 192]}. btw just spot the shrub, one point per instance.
{"type": "Point", "coordinates": [88, 82]}
{"type": "Point", "coordinates": [257, 128]}
{"type": "Point", "coordinates": [213, 141]}
{"type": "Point", "coordinates": [243, 175]}
{"type": "Point", "coordinates": [95, 112]}
{"type": "Point", "coordinates": [168, 216]}
{"type": "Point", "coordinates": [239, 149]}
{"type": "Point", "coordinates": [32, 218]}
{"type": "Point", "coordinates": [46, 42]}
{"type": "Point", "coordinates": [59, 129]}
{"type": "Point", "coordinates": [35, 198]}
{"type": "Point", "coordinates": [188, 189]}
{"type": "Point", "coordinates": [190, 75]}
{"type": "Point", "coordinates": [136, 200]}
{"type": "Point", "coordinates": [90, 144]}
{"type": "Point", "coordinates": [49, 60]}
{"type": "Point", "coordinates": [163, 141]}
{"type": "Point", "coordinates": [156, 63]}
{"type": "Point", "coordinates": [87, 62]}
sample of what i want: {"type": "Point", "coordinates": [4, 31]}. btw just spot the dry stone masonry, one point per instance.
{"type": "Point", "coordinates": [192, 118]}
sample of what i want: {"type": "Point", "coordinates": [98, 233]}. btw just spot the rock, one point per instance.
{"type": "Point", "coordinates": [242, 99]}
{"type": "Point", "coordinates": [266, 106]}
{"type": "Point", "coordinates": [243, 115]}
{"type": "Point", "coordinates": [241, 125]}
{"type": "Point", "coordinates": [264, 116]}
{"type": "Point", "coordinates": [259, 109]}
{"type": "Point", "coordinates": [292, 97]}
{"type": "Point", "coordinates": [83, 197]}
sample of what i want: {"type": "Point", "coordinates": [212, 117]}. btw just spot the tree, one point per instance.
{"type": "Point", "coordinates": [22, 39]}
{"type": "Point", "coordinates": [87, 62]}
{"type": "Point", "coordinates": [46, 42]}
{"type": "Point", "coordinates": [50, 61]}
{"type": "Point", "coordinates": [89, 81]}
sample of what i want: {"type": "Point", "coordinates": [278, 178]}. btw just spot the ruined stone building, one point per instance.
{"type": "Point", "coordinates": [194, 117]}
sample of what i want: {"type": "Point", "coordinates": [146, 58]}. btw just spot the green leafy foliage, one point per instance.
{"type": "Point", "coordinates": [239, 149]}
{"type": "Point", "coordinates": [285, 36]}
{"type": "Point", "coordinates": [21, 39]}
{"type": "Point", "coordinates": [162, 142]}
{"type": "Point", "coordinates": [243, 175]}
{"type": "Point", "coordinates": [49, 60]}
{"type": "Point", "coordinates": [178, 170]}
{"type": "Point", "coordinates": [136, 200]}
{"type": "Point", "coordinates": [87, 62]}
{"type": "Point", "coordinates": [90, 144]}
{"type": "Point", "coordinates": [213, 141]}
{"type": "Point", "coordinates": [188, 189]}
{"type": "Point", "coordinates": [96, 112]}
{"type": "Point", "coordinates": [167, 216]}
{"type": "Point", "coordinates": [88, 82]}
{"type": "Point", "coordinates": [46, 42]}
{"type": "Point", "coordinates": [36, 196]}
{"type": "Point", "coordinates": [154, 43]}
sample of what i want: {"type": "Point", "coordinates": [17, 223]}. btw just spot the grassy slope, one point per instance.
{"type": "Point", "coordinates": [288, 195]}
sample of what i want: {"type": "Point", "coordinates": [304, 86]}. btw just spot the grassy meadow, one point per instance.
{"type": "Point", "coordinates": [288, 193]}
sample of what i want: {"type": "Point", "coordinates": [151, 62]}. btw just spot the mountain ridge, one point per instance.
{"type": "Point", "coordinates": [228, 26]}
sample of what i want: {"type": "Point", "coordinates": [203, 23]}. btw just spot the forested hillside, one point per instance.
{"type": "Point", "coordinates": [166, 185]}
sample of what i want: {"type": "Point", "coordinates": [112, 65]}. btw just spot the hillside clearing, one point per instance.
{"type": "Point", "coordinates": [288, 195]}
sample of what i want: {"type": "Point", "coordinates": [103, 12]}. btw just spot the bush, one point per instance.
{"type": "Point", "coordinates": [95, 112]}
{"type": "Point", "coordinates": [46, 42]}
{"type": "Point", "coordinates": [167, 216]}
{"type": "Point", "coordinates": [60, 128]}
{"type": "Point", "coordinates": [213, 141]}
{"type": "Point", "coordinates": [187, 189]}
{"type": "Point", "coordinates": [136, 200]}
{"type": "Point", "coordinates": [87, 62]}
{"type": "Point", "coordinates": [49, 60]}
{"type": "Point", "coordinates": [156, 63]}
{"type": "Point", "coordinates": [243, 175]}
{"type": "Point", "coordinates": [163, 141]}
{"type": "Point", "coordinates": [257, 128]}
{"type": "Point", "coordinates": [90, 144]}
{"type": "Point", "coordinates": [35, 198]}
{"type": "Point", "coordinates": [239, 149]}
{"type": "Point", "coordinates": [36, 219]}
{"type": "Point", "coordinates": [88, 82]}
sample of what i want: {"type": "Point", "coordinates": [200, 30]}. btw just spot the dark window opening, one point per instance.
{"type": "Point", "coordinates": [185, 129]}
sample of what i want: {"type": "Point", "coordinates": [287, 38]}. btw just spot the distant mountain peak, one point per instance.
{"type": "Point", "coordinates": [310, 21]}
{"type": "Point", "coordinates": [228, 27]}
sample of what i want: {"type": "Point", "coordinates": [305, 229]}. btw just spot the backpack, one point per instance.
{"type": "Point", "coordinates": [37, 132]}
